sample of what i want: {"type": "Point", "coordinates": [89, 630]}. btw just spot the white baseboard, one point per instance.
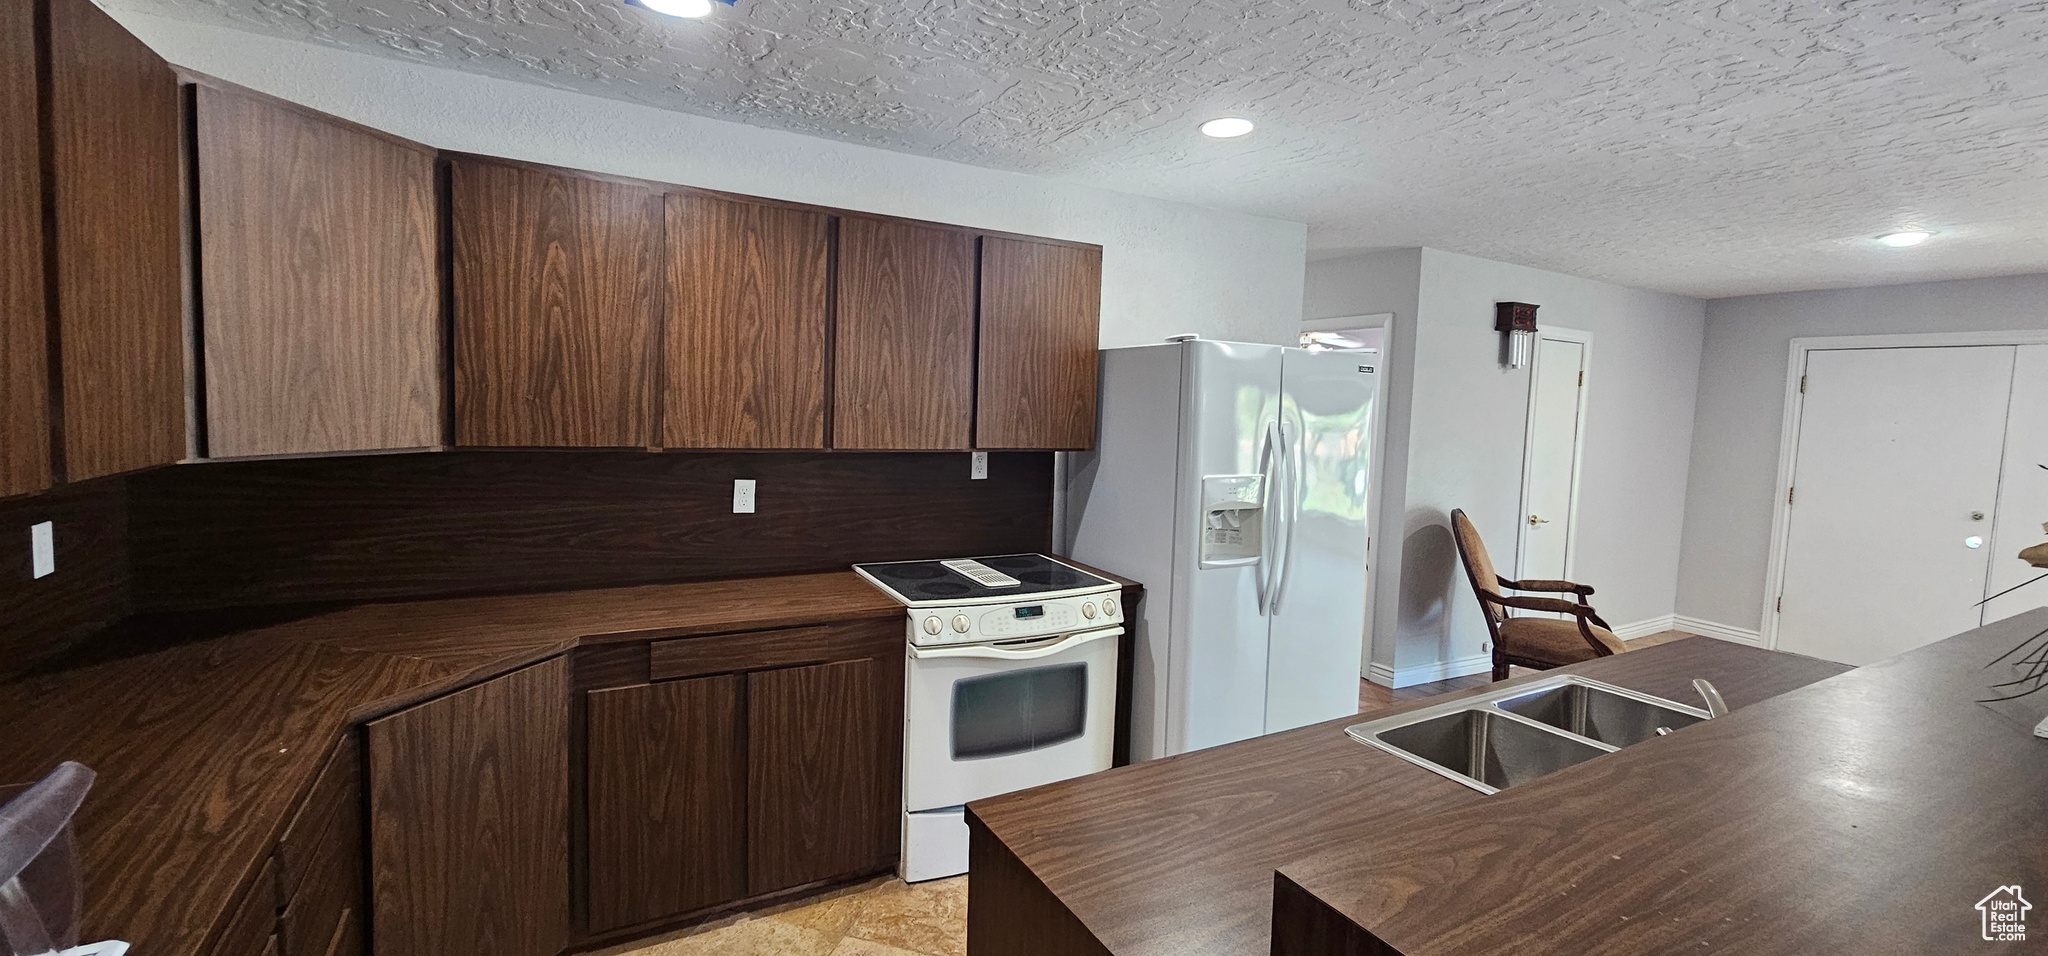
{"type": "Point", "coordinates": [1429, 673]}
{"type": "Point", "coordinates": [1739, 635]}
{"type": "Point", "coordinates": [1647, 627]}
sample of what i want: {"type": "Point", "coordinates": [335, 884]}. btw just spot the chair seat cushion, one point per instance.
{"type": "Point", "coordinates": [1553, 641]}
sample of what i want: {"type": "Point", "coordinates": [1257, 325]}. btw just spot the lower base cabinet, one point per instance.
{"type": "Point", "coordinates": [469, 820]}
{"type": "Point", "coordinates": [815, 739]}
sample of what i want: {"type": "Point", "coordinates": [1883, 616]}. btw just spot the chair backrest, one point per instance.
{"type": "Point", "coordinates": [1478, 569]}
{"type": "Point", "coordinates": [39, 879]}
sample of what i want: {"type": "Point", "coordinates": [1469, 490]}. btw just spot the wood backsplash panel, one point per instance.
{"type": "Point", "coordinates": [384, 527]}
{"type": "Point", "coordinates": [39, 617]}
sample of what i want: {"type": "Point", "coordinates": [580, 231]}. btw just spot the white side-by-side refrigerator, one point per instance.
{"type": "Point", "coordinates": [1231, 480]}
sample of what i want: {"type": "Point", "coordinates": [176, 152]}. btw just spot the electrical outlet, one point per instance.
{"type": "Point", "coordinates": [978, 470]}
{"type": "Point", "coordinates": [743, 496]}
{"type": "Point", "coordinates": [42, 546]}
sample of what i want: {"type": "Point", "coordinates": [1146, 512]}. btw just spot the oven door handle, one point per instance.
{"type": "Point", "coordinates": [991, 652]}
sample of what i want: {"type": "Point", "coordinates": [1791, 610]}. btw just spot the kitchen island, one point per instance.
{"type": "Point", "coordinates": [1184, 856]}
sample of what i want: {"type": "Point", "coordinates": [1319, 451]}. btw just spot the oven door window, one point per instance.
{"type": "Point", "coordinates": [1017, 711]}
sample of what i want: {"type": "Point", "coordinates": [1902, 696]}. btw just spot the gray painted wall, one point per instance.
{"type": "Point", "coordinates": [1741, 412]}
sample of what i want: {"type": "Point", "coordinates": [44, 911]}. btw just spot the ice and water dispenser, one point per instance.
{"type": "Point", "coordinates": [1233, 519]}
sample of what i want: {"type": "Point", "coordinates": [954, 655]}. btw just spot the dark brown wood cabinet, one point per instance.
{"type": "Point", "coordinates": [321, 304]}
{"type": "Point", "coordinates": [115, 199]}
{"type": "Point", "coordinates": [903, 347]}
{"type": "Point", "coordinates": [469, 820]}
{"type": "Point", "coordinates": [816, 804]}
{"type": "Point", "coordinates": [745, 343]}
{"type": "Point", "coordinates": [1041, 306]}
{"type": "Point", "coordinates": [24, 355]}
{"type": "Point", "coordinates": [555, 307]}
{"type": "Point", "coordinates": [666, 800]}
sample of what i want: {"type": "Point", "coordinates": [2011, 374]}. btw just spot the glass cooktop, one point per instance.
{"type": "Point", "coordinates": [916, 583]}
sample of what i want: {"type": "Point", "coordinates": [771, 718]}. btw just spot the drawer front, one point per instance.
{"type": "Point", "coordinates": [250, 930]}
{"type": "Point", "coordinates": [332, 889]}
{"type": "Point", "coordinates": [786, 647]}
{"type": "Point", "coordinates": [337, 790]}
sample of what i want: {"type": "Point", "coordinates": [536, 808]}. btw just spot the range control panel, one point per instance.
{"type": "Point", "coordinates": [980, 624]}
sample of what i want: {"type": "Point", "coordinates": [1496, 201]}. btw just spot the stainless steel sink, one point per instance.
{"type": "Point", "coordinates": [1610, 715]}
{"type": "Point", "coordinates": [1496, 740]}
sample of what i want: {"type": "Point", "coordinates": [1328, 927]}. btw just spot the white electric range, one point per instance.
{"type": "Point", "coordinates": [1009, 683]}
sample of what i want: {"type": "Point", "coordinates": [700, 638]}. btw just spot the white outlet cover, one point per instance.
{"type": "Point", "coordinates": [978, 470]}
{"type": "Point", "coordinates": [743, 496]}
{"type": "Point", "coordinates": [42, 546]}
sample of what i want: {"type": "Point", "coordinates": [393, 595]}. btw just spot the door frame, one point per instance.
{"type": "Point", "coordinates": [1384, 321]}
{"type": "Point", "coordinates": [1788, 434]}
{"type": "Point", "coordinates": [1584, 340]}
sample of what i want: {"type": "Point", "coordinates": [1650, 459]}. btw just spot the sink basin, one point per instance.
{"type": "Point", "coordinates": [1608, 715]}
{"type": "Point", "coordinates": [1499, 739]}
{"type": "Point", "coordinates": [1489, 747]}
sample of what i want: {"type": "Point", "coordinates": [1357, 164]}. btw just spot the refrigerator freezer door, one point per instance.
{"type": "Point", "coordinates": [1318, 618]}
{"type": "Point", "coordinates": [1217, 666]}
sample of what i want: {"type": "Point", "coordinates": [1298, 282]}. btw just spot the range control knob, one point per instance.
{"type": "Point", "coordinates": [1088, 610]}
{"type": "Point", "coordinates": [932, 625]}
{"type": "Point", "coordinates": [1109, 606]}
{"type": "Point", "coordinates": [961, 623]}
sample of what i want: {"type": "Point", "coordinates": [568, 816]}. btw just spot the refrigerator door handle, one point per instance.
{"type": "Point", "coordinates": [1283, 536]}
{"type": "Point", "coordinates": [1262, 571]}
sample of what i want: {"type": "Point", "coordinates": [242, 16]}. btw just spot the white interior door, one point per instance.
{"type": "Point", "coordinates": [1550, 456]}
{"type": "Point", "coordinates": [2022, 491]}
{"type": "Point", "coordinates": [1894, 478]}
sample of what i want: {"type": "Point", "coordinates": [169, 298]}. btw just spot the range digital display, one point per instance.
{"type": "Point", "coordinates": [1035, 610]}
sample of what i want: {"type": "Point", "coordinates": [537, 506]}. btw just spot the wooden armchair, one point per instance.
{"type": "Point", "coordinates": [1538, 642]}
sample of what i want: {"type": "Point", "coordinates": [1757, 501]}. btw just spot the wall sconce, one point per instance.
{"type": "Point", "coordinates": [1517, 322]}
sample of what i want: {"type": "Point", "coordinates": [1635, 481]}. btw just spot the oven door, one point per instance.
{"type": "Point", "coordinates": [985, 719]}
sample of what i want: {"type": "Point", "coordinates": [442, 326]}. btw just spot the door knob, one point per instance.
{"type": "Point", "coordinates": [1534, 521]}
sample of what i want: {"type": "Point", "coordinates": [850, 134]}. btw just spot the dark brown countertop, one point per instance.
{"type": "Point", "coordinates": [1176, 857]}
{"type": "Point", "coordinates": [1864, 814]}
{"type": "Point", "coordinates": [203, 748]}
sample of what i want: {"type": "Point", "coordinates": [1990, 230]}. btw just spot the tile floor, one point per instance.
{"type": "Point", "coordinates": [882, 917]}
{"type": "Point", "coordinates": [887, 917]}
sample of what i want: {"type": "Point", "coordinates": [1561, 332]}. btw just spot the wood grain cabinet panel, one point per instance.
{"type": "Point", "coordinates": [822, 783]}
{"type": "Point", "coordinates": [469, 820]}
{"type": "Point", "coordinates": [667, 799]}
{"type": "Point", "coordinates": [318, 276]}
{"type": "Point", "coordinates": [117, 205]}
{"type": "Point", "coordinates": [1041, 306]}
{"type": "Point", "coordinates": [555, 283]}
{"type": "Point", "coordinates": [903, 348]}
{"type": "Point", "coordinates": [745, 349]}
{"type": "Point", "coordinates": [24, 358]}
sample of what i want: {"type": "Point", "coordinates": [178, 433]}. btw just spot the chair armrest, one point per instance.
{"type": "Point", "coordinates": [1544, 584]}
{"type": "Point", "coordinates": [1544, 604]}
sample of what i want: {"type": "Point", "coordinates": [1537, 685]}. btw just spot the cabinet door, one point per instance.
{"type": "Point", "coordinates": [667, 799]}
{"type": "Point", "coordinates": [745, 351]}
{"type": "Point", "coordinates": [554, 307]}
{"type": "Point", "coordinates": [322, 303]}
{"type": "Point", "coordinates": [1040, 307]}
{"type": "Point", "coordinates": [823, 771]}
{"type": "Point", "coordinates": [114, 145]}
{"type": "Point", "coordinates": [903, 347]}
{"type": "Point", "coordinates": [24, 360]}
{"type": "Point", "coordinates": [469, 820]}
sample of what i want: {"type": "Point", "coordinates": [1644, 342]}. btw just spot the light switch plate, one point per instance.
{"type": "Point", "coordinates": [743, 496]}
{"type": "Point", "coordinates": [42, 546]}
{"type": "Point", "coordinates": [979, 469]}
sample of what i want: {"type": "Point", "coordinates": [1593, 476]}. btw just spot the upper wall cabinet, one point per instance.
{"type": "Point", "coordinates": [555, 321]}
{"type": "Point", "coordinates": [1041, 304]}
{"type": "Point", "coordinates": [321, 313]}
{"type": "Point", "coordinates": [114, 123]}
{"type": "Point", "coordinates": [24, 358]}
{"type": "Point", "coordinates": [903, 351]}
{"type": "Point", "coordinates": [745, 355]}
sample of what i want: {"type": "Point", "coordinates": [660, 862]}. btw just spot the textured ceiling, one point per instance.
{"type": "Point", "coordinates": [1707, 148]}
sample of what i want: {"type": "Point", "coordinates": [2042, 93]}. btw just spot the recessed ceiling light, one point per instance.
{"type": "Point", "coordinates": [689, 9]}
{"type": "Point", "coordinates": [1900, 240]}
{"type": "Point", "coordinates": [1227, 127]}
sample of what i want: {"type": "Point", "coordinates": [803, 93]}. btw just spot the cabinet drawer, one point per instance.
{"type": "Point", "coordinates": [337, 790]}
{"type": "Point", "coordinates": [250, 930]}
{"type": "Point", "coordinates": [331, 891]}
{"type": "Point", "coordinates": [787, 647]}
